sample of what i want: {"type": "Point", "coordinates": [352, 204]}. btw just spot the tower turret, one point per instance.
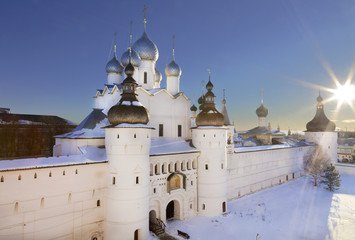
{"type": "Point", "coordinates": [127, 142]}
{"type": "Point", "coordinates": [321, 130]}
{"type": "Point", "coordinates": [211, 139]}
{"type": "Point", "coordinates": [173, 73]}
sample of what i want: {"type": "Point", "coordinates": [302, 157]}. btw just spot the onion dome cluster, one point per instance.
{"type": "Point", "coordinates": [172, 69]}
{"type": "Point", "coordinates": [114, 66]}
{"type": "Point", "coordinates": [209, 116]}
{"type": "Point", "coordinates": [135, 58]}
{"type": "Point", "coordinates": [128, 109]}
{"type": "Point", "coordinates": [158, 76]}
{"type": "Point", "coordinates": [320, 122]}
{"type": "Point", "coordinates": [262, 111]}
{"type": "Point", "coordinates": [146, 48]}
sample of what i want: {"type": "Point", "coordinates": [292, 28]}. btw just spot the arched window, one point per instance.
{"type": "Point", "coordinates": [203, 206]}
{"type": "Point", "coordinates": [16, 207]}
{"type": "Point", "coordinates": [2, 179]}
{"type": "Point", "coordinates": [19, 177]}
{"type": "Point", "coordinates": [98, 204]}
{"type": "Point", "coordinates": [69, 198]}
{"type": "Point", "coordinates": [42, 202]}
{"type": "Point", "coordinates": [76, 171]}
{"type": "Point", "coordinates": [35, 175]}
{"type": "Point", "coordinates": [137, 180]}
{"type": "Point", "coordinates": [151, 169]}
{"type": "Point", "coordinates": [113, 180]}
{"type": "Point", "coordinates": [194, 164]}
{"type": "Point", "coordinates": [175, 182]}
{"type": "Point", "coordinates": [63, 172]}
{"type": "Point", "coordinates": [50, 174]}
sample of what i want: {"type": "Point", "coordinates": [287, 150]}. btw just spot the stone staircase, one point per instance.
{"type": "Point", "coordinates": [157, 227]}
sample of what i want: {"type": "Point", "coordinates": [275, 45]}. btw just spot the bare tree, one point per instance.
{"type": "Point", "coordinates": [315, 163]}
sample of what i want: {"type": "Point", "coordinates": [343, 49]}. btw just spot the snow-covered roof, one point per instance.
{"type": "Point", "coordinates": [263, 130]}
{"type": "Point", "coordinates": [90, 127]}
{"type": "Point", "coordinates": [89, 155]}
{"type": "Point", "coordinates": [170, 146]}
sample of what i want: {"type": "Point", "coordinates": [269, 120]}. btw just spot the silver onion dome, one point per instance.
{"type": "Point", "coordinates": [135, 59]}
{"type": "Point", "coordinates": [146, 48]}
{"type": "Point", "coordinates": [158, 76]}
{"type": "Point", "coordinates": [114, 66]}
{"type": "Point", "coordinates": [172, 69]}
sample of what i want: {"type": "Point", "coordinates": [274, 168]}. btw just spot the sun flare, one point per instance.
{"type": "Point", "coordinates": [343, 94]}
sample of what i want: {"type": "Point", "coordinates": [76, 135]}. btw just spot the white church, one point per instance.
{"type": "Point", "coordinates": [144, 156]}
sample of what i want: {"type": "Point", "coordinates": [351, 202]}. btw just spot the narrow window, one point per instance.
{"type": "Point", "coordinates": [69, 198]}
{"type": "Point", "coordinates": [154, 190]}
{"type": "Point", "coordinates": [98, 203]}
{"type": "Point", "coordinates": [135, 136]}
{"type": "Point", "coordinates": [76, 171]}
{"type": "Point", "coordinates": [50, 174]}
{"type": "Point", "coordinates": [145, 77]}
{"type": "Point", "coordinates": [118, 136]}
{"type": "Point", "coordinates": [214, 135]}
{"type": "Point", "coordinates": [35, 176]}
{"type": "Point", "coordinates": [182, 166]}
{"type": "Point", "coordinates": [206, 166]}
{"type": "Point", "coordinates": [204, 135]}
{"type": "Point", "coordinates": [42, 202]}
{"type": "Point", "coordinates": [190, 206]}
{"type": "Point", "coordinates": [175, 167]}
{"type": "Point", "coordinates": [293, 175]}
{"type": "Point", "coordinates": [16, 207]}
{"type": "Point", "coordinates": [161, 130]}
{"type": "Point", "coordinates": [179, 130]}
{"type": "Point", "coordinates": [2, 179]}
{"type": "Point", "coordinates": [113, 180]}
{"type": "Point", "coordinates": [192, 183]}
{"type": "Point", "coordinates": [222, 166]}
{"type": "Point", "coordinates": [156, 169]}
{"type": "Point", "coordinates": [63, 172]}
{"type": "Point", "coordinates": [19, 177]}
{"type": "Point", "coordinates": [203, 206]}
{"type": "Point", "coordinates": [286, 177]}
{"type": "Point", "coordinates": [137, 180]}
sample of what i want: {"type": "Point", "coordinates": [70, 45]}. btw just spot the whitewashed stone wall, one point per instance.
{"type": "Point", "coordinates": [53, 203]}
{"type": "Point", "coordinates": [253, 171]}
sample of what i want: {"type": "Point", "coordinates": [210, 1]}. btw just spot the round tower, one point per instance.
{"type": "Point", "coordinates": [127, 142]}
{"type": "Point", "coordinates": [210, 137]}
{"type": "Point", "coordinates": [173, 73]}
{"type": "Point", "coordinates": [262, 112]}
{"type": "Point", "coordinates": [149, 54]}
{"type": "Point", "coordinates": [321, 130]}
{"type": "Point", "coordinates": [114, 68]}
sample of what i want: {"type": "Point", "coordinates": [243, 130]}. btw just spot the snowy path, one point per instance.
{"type": "Point", "coordinates": [295, 210]}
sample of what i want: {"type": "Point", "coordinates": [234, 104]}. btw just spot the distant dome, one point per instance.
{"type": "Point", "coordinates": [158, 76]}
{"type": "Point", "coordinates": [320, 122]}
{"type": "Point", "coordinates": [128, 109]}
{"type": "Point", "coordinates": [114, 66]}
{"type": "Point", "coordinates": [209, 116]}
{"type": "Point", "coordinates": [135, 59]}
{"type": "Point", "coordinates": [262, 111]}
{"type": "Point", "coordinates": [172, 69]}
{"type": "Point", "coordinates": [146, 48]}
{"type": "Point", "coordinates": [193, 108]}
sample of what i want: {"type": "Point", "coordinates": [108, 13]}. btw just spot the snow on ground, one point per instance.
{"type": "Point", "coordinates": [295, 210]}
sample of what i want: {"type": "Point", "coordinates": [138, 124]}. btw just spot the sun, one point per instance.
{"type": "Point", "coordinates": [343, 94]}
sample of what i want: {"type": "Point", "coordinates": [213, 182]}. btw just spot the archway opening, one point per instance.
{"type": "Point", "coordinates": [152, 217]}
{"type": "Point", "coordinates": [224, 208]}
{"type": "Point", "coordinates": [170, 209]}
{"type": "Point", "coordinates": [137, 234]}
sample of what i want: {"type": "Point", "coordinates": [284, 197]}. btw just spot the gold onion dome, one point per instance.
{"type": "Point", "coordinates": [135, 59]}
{"type": "Point", "coordinates": [320, 122]}
{"type": "Point", "coordinates": [114, 66]}
{"type": "Point", "coordinates": [209, 116]}
{"type": "Point", "coordinates": [128, 109]}
{"type": "Point", "coordinates": [262, 111]}
{"type": "Point", "coordinates": [146, 48]}
{"type": "Point", "coordinates": [172, 69]}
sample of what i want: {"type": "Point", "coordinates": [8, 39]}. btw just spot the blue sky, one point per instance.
{"type": "Point", "coordinates": [53, 53]}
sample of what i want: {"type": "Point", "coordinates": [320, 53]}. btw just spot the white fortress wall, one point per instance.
{"type": "Point", "coordinates": [64, 202]}
{"type": "Point", "coordinates": [252, 171]}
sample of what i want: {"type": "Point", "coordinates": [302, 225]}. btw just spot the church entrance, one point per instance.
{"type": "Point", "coordinates": [170, 210]}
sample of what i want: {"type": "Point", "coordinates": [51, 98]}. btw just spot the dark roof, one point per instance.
{"type": "Point", "coordinates": [320, 122]}
{"type": "Point", "coordinates": [91, 120]}
{"type": "Point", "coordinates": [12, 118]}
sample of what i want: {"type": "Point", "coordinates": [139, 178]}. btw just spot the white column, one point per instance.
{"type": "Point", "coordinates": [114, 78]}
{"type": "Point", "coordinates": [173, 85]}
